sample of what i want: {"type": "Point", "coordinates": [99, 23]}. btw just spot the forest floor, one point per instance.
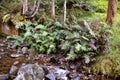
{"type": "Point", "coordinates": [78, 69]}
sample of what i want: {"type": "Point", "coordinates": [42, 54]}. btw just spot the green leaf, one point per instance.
{"type": "Point", "coordinates": [65, 45]}
{"type": "Point", "coordinates": [78, 47]}
{"type": "Point", "coordinates": [77, 27]}
{"type": "Point", "coordinates": [52, 46]}
{"type": "Point", "coordinates": [42, 48]}
{"type": "Point", "coordinates": [36, 36]}
{"type": "Point", "coordinates": [76, 35]}
{"type": "Point", "coordinates": [88, 27]}
{"type": "Point", "coordinates": [58, 24]}
{"type": "Point", "coordinates": [69, 35]}
{"type": "Point", "coordinates": [40, 27]}
{"type": "Point", "coordinates": [6, 18]}
{"type": "Point", "coordinates": [44, 33]}
{"type": "Point", "coordinates": [71, 56]}
{"type": "Point", "coordinates": [87, 59]}
{"type": "Point", "coordinates": [28, 33]}
{"type": "Point", "coordinates": [85, 38]}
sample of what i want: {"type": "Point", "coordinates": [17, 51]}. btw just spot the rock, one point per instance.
{"type": "Point", "coordinates": [24, 50]}
{"type": "Point", "coordinates": [77, 78]}
{"type": "Point", "coordinates": [4, 77]}
{"type": "Point", "coordinates": [50, 76]}
{"type": "Point", "coordinates": [2, 44]}
{"type": "Point", "coordinates": [2, 55]}
{"type": "Point", "coordinates": [15, 55]}
{"type": "Point", "coordinates": [30, 72]}
{"type": "Point", "coordinates": [15, 46]}
{"type": "Point", "coordinates": [73, 75]}
{"type": "Point", "coordinates": [13, 69]}
{"type": "Point", "coordinates": [72, 66]}
{"type": "Point", "coordinates": [13, 72]}
{"type": "Point", "coordinates": [60, 74]}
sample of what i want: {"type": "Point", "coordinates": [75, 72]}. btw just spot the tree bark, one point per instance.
{"type": "Point", "coordinates": [65, 12]}
{"type": "Point", "coordinates": [25, 12]}
{"type": "Point", "coordinates": [53, 9]}
{"type": "Point", "coordinates": [112, 11]}
{"type": "Point", "coordinates": [24, 6]}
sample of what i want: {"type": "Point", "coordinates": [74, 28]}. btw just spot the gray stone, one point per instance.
{"type": "Point", "coordinates": [4, 76]}
{"type": "Point", "coordinates": [60, 74]}
{"type": "Point", "coordinates": [24, 50]}
{"type": "Point", "coordinates": [15, 55]}
{"type": "Point", "coordinates": [13, 70]}
{"type": "Point", "coordinates": [50, 76]}
{"type": "Point", "coordinates": [30, 72]}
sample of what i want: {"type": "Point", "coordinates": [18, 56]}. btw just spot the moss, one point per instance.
{"type": "Point", "coordinates": [110, 63]}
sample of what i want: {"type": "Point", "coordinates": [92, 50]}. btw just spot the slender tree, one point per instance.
{"type": "Point", "coordinates": [65, 12]}
{"type": "Point", "coordinates": [53, 9]}
{"type": "Point", "coordinates": [112, 11]}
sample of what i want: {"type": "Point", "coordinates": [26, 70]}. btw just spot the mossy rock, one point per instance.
{"type": "Point", "coordinates": [108, 65]}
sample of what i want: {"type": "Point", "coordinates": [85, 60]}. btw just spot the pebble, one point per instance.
{"type": "Point", "coordinates": [24, 50]}
{"type": "Point", "coordinates": [16, 62]}
{"type": "Point", "coordinates": [15, 55]}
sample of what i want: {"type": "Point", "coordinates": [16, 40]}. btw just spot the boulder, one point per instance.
{"type": "Point", "coordinates": [30, 72]}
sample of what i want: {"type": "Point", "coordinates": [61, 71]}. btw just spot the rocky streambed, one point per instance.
{"type": "Point", "coordinates": [15, 65]}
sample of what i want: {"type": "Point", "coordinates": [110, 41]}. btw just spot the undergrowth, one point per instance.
{"type": "Point", "coordinates": [110, 64]}
{"type": "Point", "coordinates": [77, 41]}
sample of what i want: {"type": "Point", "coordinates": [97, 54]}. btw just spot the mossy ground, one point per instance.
{"type": "Point", "coordinates": [110, 63]}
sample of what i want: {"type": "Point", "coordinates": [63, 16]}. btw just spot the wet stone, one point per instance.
{"type": "Point", "coordinates": [4, 76]}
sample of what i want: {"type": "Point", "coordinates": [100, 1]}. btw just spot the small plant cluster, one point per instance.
{"type": "Point", "coordinates": [74, 40]}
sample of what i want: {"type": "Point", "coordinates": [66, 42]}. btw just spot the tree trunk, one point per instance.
{"type": "Point", "coordinates": [112, 11]}
{"type": "Point", "coordinates": [65, 12]}
{"type": "Point", "coordinates": [53, 9]}
{"type": "Point", "coordinates": [25, 12]}
{"type": "Point", "coordinates": [24, 6]}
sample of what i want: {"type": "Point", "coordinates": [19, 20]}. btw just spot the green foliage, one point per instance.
{"type": "Point", "coordinates": [101, 6]}
{"type": "Point", "coordinates": [110, 64]}
{"type": "Point", "coordinates": [58, 38]}
{"type": "Point", "coordinates": [115, 45]}
{"type": "Point", "coordinates": [74, 40]}
{"type": "Point", "coordinates": [6, 18]}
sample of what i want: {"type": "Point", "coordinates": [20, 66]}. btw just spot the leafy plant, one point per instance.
{"type": "Point", "coordinates": [74, 40]}
{"type": "Point", "coordinates": [6, 18]}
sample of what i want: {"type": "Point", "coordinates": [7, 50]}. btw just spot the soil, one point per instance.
{"type": "Point", "coordinates": [77, 67]}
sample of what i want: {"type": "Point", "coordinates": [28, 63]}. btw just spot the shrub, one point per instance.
{"type": "Point", "coordinates": [74, 40]}
{"type": "Point", "coordinates": [110, 64]}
